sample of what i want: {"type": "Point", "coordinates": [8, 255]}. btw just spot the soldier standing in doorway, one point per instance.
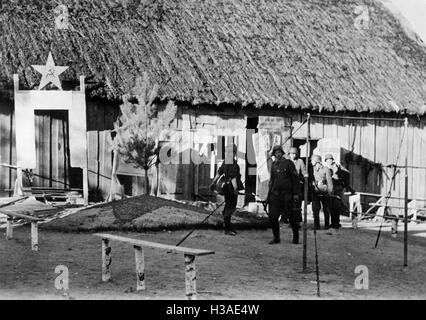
{"type": "Point", "coordinates": [283, 193]}
{"type": "Point", "coordinates": [322, 190]}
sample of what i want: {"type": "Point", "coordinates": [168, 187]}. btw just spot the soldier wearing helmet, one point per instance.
{"type": "Point", "coordinates": [293, 154]}
{"type": "Point", "coordinates": [340, 176]}
{"type": "Point", "coordinates": [231, 172]}
{"type": "Point", "coordinates": [283, 192]}
{"type": "Point", "coordinates": [322, 190]}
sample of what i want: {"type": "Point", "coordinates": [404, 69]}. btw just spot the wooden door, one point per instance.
{"type": "Point", "coordinates": [52, 149]}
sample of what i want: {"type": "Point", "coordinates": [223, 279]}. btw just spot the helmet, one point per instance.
{"type": "Point", "coordinates": [277, 148]}
{"type": "Point", "coordinates": [316, 158]}
{"type": "Point", "coordinates": [328, 156]}
{"type": "Point", "coordinates": [294, 150]}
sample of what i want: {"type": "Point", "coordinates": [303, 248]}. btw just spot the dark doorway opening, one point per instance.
{"type": "Point", "coordinates": [251, 165]}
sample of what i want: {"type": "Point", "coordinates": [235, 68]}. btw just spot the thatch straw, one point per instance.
{"type": "Point", "coordinates": [308, 54]}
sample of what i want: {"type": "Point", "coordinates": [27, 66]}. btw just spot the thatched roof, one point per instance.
{"type": "Point", "coordinates": [310, 54]}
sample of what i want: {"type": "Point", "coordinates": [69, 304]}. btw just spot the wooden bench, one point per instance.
{"type": "Point", "coordinates": [189, 256]}
{"type": "Point", "coordinates": [34, 227]}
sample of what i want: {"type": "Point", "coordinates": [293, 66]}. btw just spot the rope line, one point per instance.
{"type": "Point", "coordinates": [395, 172]}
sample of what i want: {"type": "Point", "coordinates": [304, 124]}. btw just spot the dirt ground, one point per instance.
{"type": "Point", "coordinates": [243, 267]}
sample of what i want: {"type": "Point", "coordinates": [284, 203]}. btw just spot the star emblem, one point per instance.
{"type": "Point", "coordinates": [49, 73]}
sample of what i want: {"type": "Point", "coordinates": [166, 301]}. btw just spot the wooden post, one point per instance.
{"type": "Point", "coordinates": [85, 186]}
{"type": "Point", "coordinates": [106, 260]}
{"type": "Point", "coordinates": [190, 277]}
{"type": "Point", "coordinates": [9, 228]}
{"type": "Point", "coordinates": [140, 268]}
{"type": "Point", "coordinates": [406, 196]}
{"type": "Point", "coordinates": [34, 236]}
{"type": "Point", "coordinates": [394, 227]}
{"type": "Point", "coordinates": [85, 168]}
{"type": "Point", "coordinates": [306, 189]}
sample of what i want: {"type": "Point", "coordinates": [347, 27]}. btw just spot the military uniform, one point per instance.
{"type": "Point", "coordinates": [283, 186]}
{"type": "Point", "coordinates": [323, 188]}
{"type": "Point", "coordinates": [231, 171]}
{"type": "Point", "coordinates": [301, 172]}
{"type": "Point", "coordinates": [337, 207]}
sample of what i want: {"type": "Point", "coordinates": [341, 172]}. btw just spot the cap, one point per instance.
{"type": "Point", "coordinates": [294, 150]}
{"type": "Point", "coordinates": [316, 158]}
{"type": "Point", "coordinates": [277, 148]}
{"type": "Point", "coordinates": [328, 156]}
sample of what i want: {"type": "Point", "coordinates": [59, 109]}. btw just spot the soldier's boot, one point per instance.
{"type": "Point", "coordinates": [296, 235]}
{"type": "Point", "coordinates": [275, 241]}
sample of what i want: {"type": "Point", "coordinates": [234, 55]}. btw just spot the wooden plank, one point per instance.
{"type": "Point", "coordinates": [66, 151]}
{"type": "Point", "coordinates": [102, 163]}
{"type": "Point", "coordinates": [297, 120]}
{"type": "Point", "coordinates": [143, 243]}
{"type": "Point", "coordinates": [413, 144]}
{"type": "Point", "coordinates": [92, 151]}
{"type": "Point", "coordinates": [4, 146]}
{"type": "Point", "coordinates": [107, 163]}
{"type": "Point", "coordinates": [38, 181]}
{"type": "Point", "coordinates": [317, 128]}
{"type": "Point", "coordinates": [20, 215]}
{"type": "Point", "coordinates": [367, 136]}
{"type": "Point", "coordinates": [54, 150]}
{"type": "Point", "coordinates": [355, 137]}
{"type": "Point", "coordinates": [44, 151]}
{"type": "Point", "coordinates": [187, 166]}
{"type": "Point", "coordinates": [12, 154]}
{"type": "Point", "coordinates": [13, 201]}
{"type": "Point", "coordinates": [394, 149]}
{"type": "Point", "coordinates": [381, 142]}
{"type": "Point", "coordinates": [330, 128]}
{"type": "Point", "coordinates": [416, 177]}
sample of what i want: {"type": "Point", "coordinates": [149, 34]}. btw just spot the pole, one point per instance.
{"type": "Point", "coordinates": [406, 196]}
{"type": "Point", "coordinates": [305, 201]}
{"type": "Point", "coordinates": [316, 263]}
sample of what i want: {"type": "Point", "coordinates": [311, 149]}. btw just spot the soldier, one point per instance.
{"type": "Point", "coordinates": [300, 168]}
{"type": "Point", "coordinates": [339, 184]}
{"type": "Point", "coordinates": [231, 170]}
{"type": "Point", "coordinates": [322, 190]}
{"type": "Point", "coordinates": [283, 193]}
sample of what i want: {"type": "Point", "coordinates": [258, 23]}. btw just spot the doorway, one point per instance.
{"type": "Point", "coordinates": [52, 151]}
{"type": "Point", "coordinates": [251, 165]}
